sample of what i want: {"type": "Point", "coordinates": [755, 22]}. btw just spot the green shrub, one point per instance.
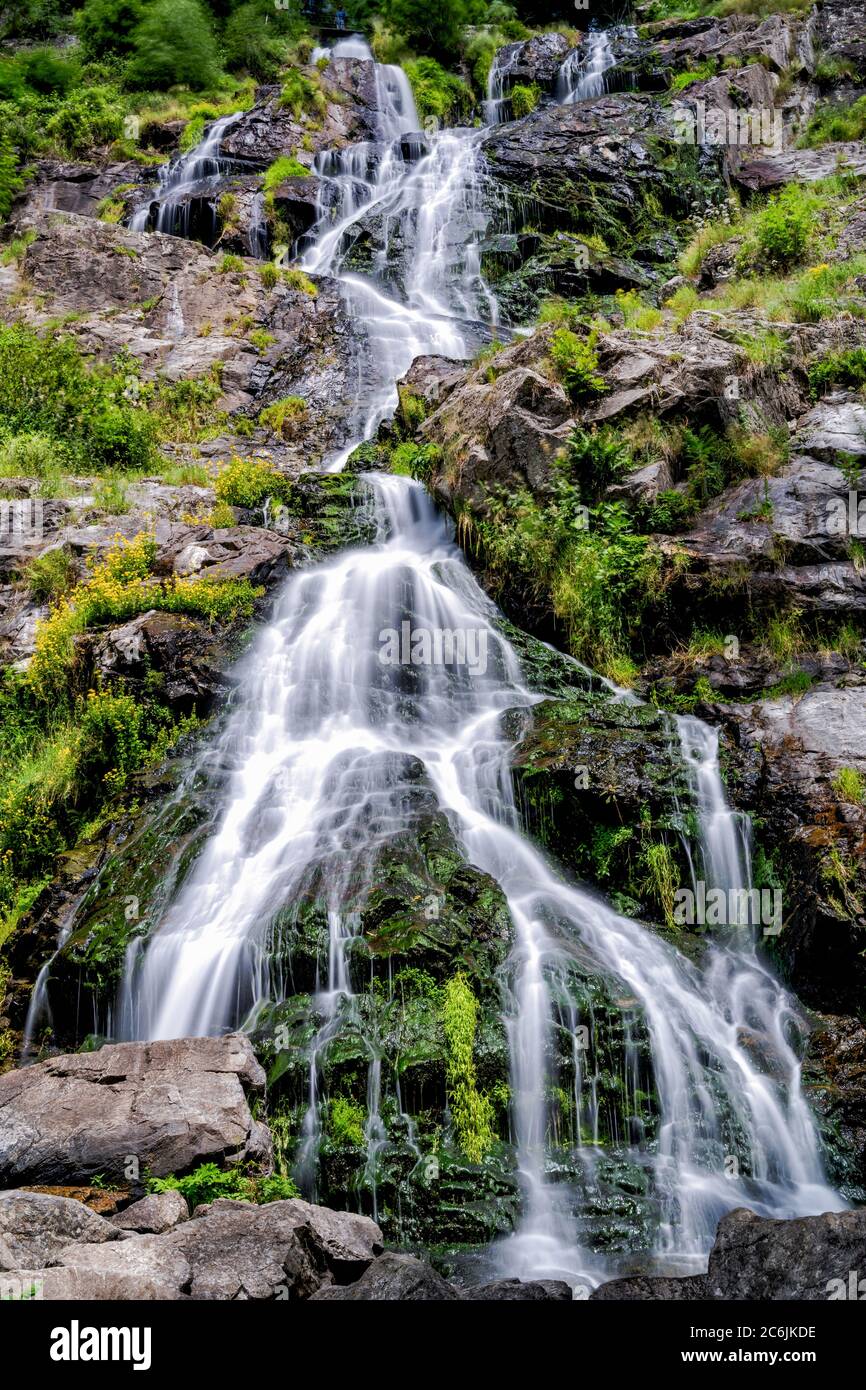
{"type": "Point", "coordinates": [416, 460]}
{"type": "Point", "coordinates": [31, 455]}
{"type": "Point", "coordinates": [846, 368]}
{"type": "Point", "coordinates": [346, 1123]}
{"type": "Point", "coordinates": [173, 45]}
{"type": "Point", "coordinates": [51, 575]}
{"type": "Point", "coordinates": [302, 94]}
{"type": "Point", "coordinates": [284, 417]}
{"type": "Point", "coordinates": [230, 264]}
{"type": "Point", "coordinates": [524, 99]}
{"type": "Point", "coordinates": [250, 482]}
{"type": "Point", "coordinates": [596, 458]}
{"type": "Point", "coordinates": [297, 280]}
{"type": "Point", "coordinates": [269, 275]}
{"type": "Point", "coordinates": [107, 26]}
{"type": "Point", "coordinates": [834, 123]}
{"type": "Point", "coordinates": [11, 181]}
{"type": "Point", "coordinates": [208, 1182]}
{"type": "Point", "coordinates": [438, 93]}
{"type": "Point", "coordinates": [47, 389]}
{"type": "Point", "coordinates": [850, 786]}
{"type": "Point", "coordinates": [250, 43]}
{"type": "Point", "coordinates": [286, 167]}
{"type": "Point", "coordinates": [785, 228]}
{"type": "Point", "coordinates": [576, 363]}
{"type": "Point", "coordinates": [471, 1110]}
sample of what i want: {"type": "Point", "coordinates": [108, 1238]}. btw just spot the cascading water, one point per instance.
{"type": "Point", "coordinates": [496, 105]}
{"type": "Point", "coordinates": [582, 75]}
{"type": "Point", "coordinates": [330, 747]}
{"type": "Point", "coordinates": [197, 173]}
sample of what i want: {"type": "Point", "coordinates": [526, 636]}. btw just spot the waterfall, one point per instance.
{"type": "Point", "coordinates": [199, 171]}
{"type": "Point", "coordinates": [496, 105]}
{"type": "Point", "coordinates": [581, 77]}
{"type": "Point", "coordinates": [331, 743]}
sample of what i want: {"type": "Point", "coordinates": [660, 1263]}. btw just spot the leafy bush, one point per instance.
{"type": "Point", "coordinates": [596, 458]}
{"type": "Point", "coordinates": [846, 368]}
{"type": "Point", "coordinates": [427, 29]}
{"type": "Point", "coordinates": [785, 228]}
{"type": "Point", "coordinates": [302, 94]}
{"type": "Point", "coordinates": [51, 575]}
{"type": "Point", "coordinates": [438, 93]}
{"type": "Point", "coordinates": [416, 460]}
{"type": "Point", "coordinates": [11, 181]}
{"type": "Point", "coordinates": [524, 99]}
{"type": "Point", "coordinates": [283, 417]}
{"type": "Point", "coordinates": [286, 167]}
{"type": "Point", "coordinates": [576, 363]}
{"type": "Point", "coordinates": [346, 1123]}
{"type": "Point", "coordinates": [834, 123]}
{"type": "Point", "coordinates": [250, 482]}
{"type": "Point", "coordinates": [250, 42]}
{"type": "Point", "coordinates": [173, 45]}
{"type": "Point", "coordinates": [46, 388]}
{"type": "Point", "coordinates": [208, 1182]}
{"type": "Point", "coordinates": [471, 1110]}
{"type": "Point", "coordinates": [107, 26]}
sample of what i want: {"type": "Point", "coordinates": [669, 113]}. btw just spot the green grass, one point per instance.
{"type": "Point", "coordinates": [850, 786]}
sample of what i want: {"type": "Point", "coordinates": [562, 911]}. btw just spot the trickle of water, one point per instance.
{"type": "Point", "coordinates": [199, 171]}
{"type": "Point", "coordinates": [581, 77]}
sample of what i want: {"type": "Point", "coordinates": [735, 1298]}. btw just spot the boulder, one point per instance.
{"type": "Point", "coordinates": [153, 1215]}
{"type": "Point", "coordinates": [349, 113]}
{"type": "Point", "coordinates": [393, 1278]}
{"type": "Point", "coordinates": [171, 1105]}
{"type": "Point", "coordinates": [230, 1250]}
{"type": "Point", "coordinates": [35, 1228]}
{"type": "Point", "coordinates": [536, 60]}
{"type": "Point", "coordinates": [773, 168]}
{"type": "Point", "coordinates": [754, 1258]}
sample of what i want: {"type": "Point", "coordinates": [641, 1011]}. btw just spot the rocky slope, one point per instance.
{"type": "Point", "coordinates": [711, 417]}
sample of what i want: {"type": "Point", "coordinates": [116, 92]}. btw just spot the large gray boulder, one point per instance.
{"type": "Point", "coordinates": [35, 1228]}
{"type": "Point", "coordinates": [167, 1105]}
{"type": "Point", "coordinates": [229, 1250]}
{"type": "Point", "coordinates": [756, 1258]}
{"type": "Point", "coordinates": [153, 1215]}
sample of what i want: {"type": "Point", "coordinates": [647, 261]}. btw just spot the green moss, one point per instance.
{"type": "Point", "coordinates": [471, 1111]}
{"type": "Point", "coordinates": [346, 1123]}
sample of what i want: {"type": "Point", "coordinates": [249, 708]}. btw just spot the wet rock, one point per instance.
{"type": "Point", "coordinates": [153, 1215]}
{"type": "Point", "coordinates": [61, 186]}
{"type": "Point", "coordinates": [519, 1290]}
{"type": "Point", "coordinates": [593, 165]}
{"type": "Point", "coordinates": [756, 1258]}
{"type": "Point", "coordinates": [535, 60]}
{"type": "Point", "coordinates": [347, 112]}
{"type": "Point", "coordinates": [841, 32]}
{"type": "Point", "coordinates": [834, 1081]}
{"type": "Point", "coordinates": [172, 1105]}
{"type": "Point", "coordinates": [295, 201]}
{"type": "Point", "coordinates": [393, 1278]}
{"type": "Point", "coordinates": [35, 1228]}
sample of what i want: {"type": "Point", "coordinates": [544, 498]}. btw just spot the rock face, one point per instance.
{"type": "Point", "coordinates": [162, 299]}
{"type": "Point", "coordinates": [393, 1278]}
{"type": "Point", "coordinates": [153, 1215]}
{"type": "Point", "coordinates": [170, 1105]}
{"type": "Point", "coordinates": [34, 1228]}
{"type": "Point", "coordinates": [536, 60]}
{"type": "Point", "coordinates": [809, 1259]}
{"type": "Point", "coordinates": [834, 1079]}
{"type": "Point", "coordinates": [346, 111]}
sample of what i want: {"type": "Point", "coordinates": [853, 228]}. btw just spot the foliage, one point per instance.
{"type": "Point", "coordinates": [576, 363]}
{"type": "Point", "coordinates": [661, 877]}
{"type": "Point", "coordinates": [471, 1111]}
{"type": "Point", "coordinates": [250, 482]}
{"type": "Point", "coordinates": [596, 458]}
{"type": "Point", "coordinates": [11, 181]}
{"type": "Point", "coordinates": [849, 785]}
{"type": "Point", "coordinates": [416, 460]}
{"type": "Point", "coordinates": [283, 417]}
{"type": "Point", "coordinates": [835, 123]}
{"type": "Point", "coordinates": [297, 280]}
{"type": "Point", "coordinates": [209, 1182]}
{"type": "Point", "coordinates": [285, 167]}
{"type": "Point", "coordinates": [51, 575]}
{"type": "Point", "coordinates": [427, 29]}
{"type": "Point", "coordinates": [845, 368]}
{"type": "Point", "coordinates": [174, 44]}
{"type": "Point", "coordinates": [524, 99]}
{"type": "Point", "coordinates": [438, 93]}
{"type": "Point", "coordinates": [107, 26]}
{"type": "Point", "coordinates": [46, 388]}
{"type": "Point", "coordinates": [346, 1123]}
{"type": "Point", "coordinates": [785, 228]}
